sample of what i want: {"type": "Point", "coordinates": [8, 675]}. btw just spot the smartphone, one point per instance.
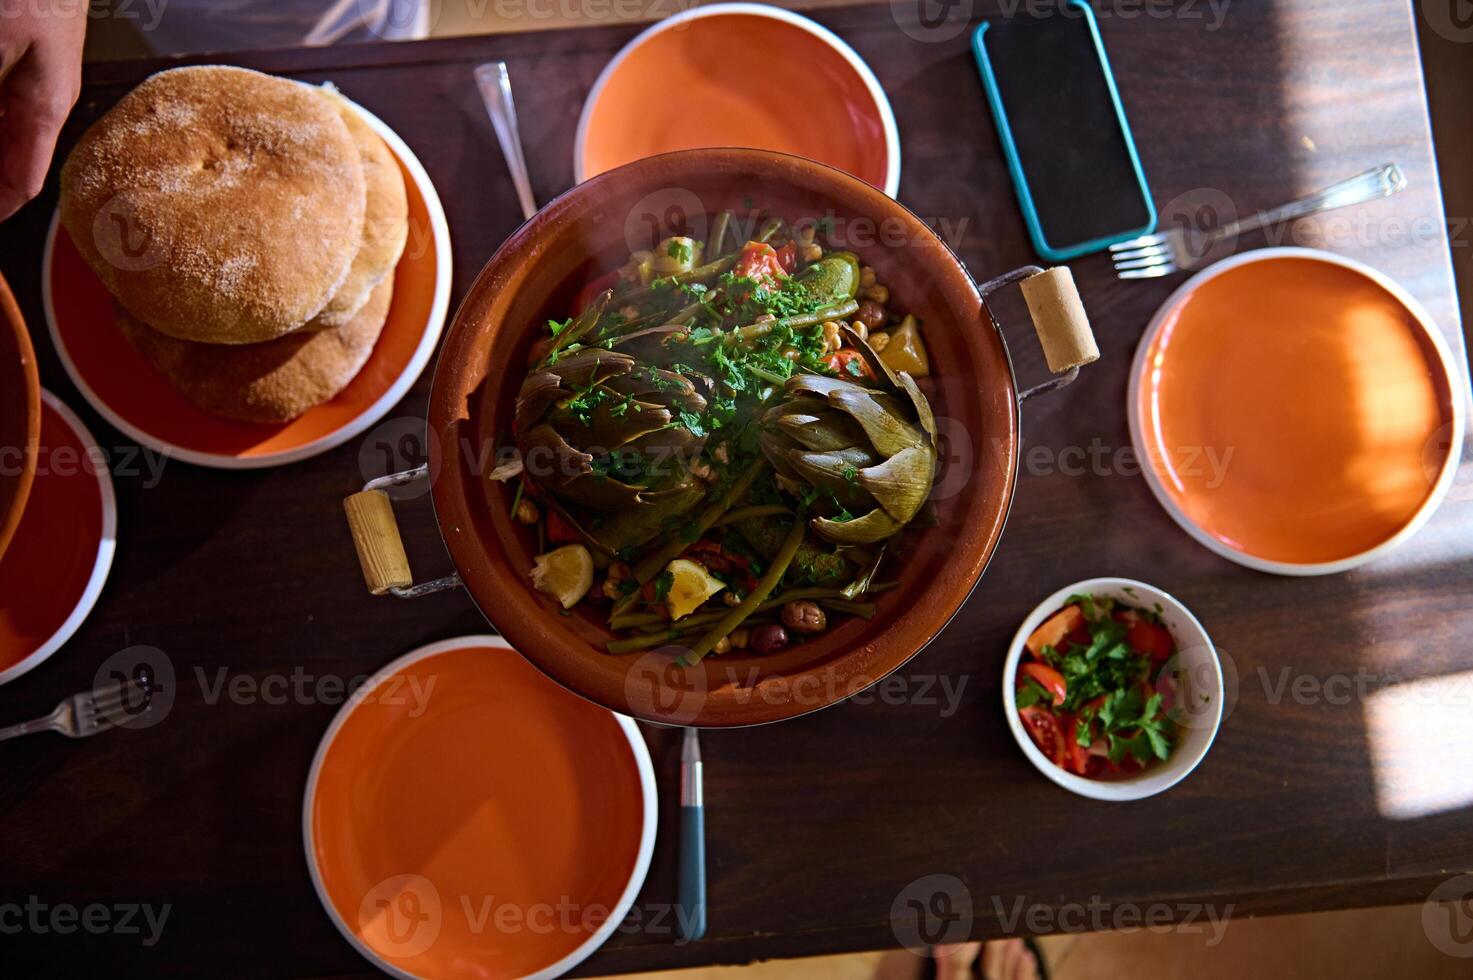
{"type": "Point", "coordinates": [1063, 131]}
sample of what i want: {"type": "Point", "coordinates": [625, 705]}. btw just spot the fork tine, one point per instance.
{"type": "Point", "coordinates": [1125, 255]}
{"type": "Point", "coordinates": [1146, 262]}
{"type": "Point", "coordinates": [1152, 272]}
{"type": "Point", "coordinates": [1141, 242]}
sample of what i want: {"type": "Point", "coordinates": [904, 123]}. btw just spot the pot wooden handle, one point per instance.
{"type": "Point", "coordinates": [1059, 317]}
{"type": "Point", "coordinates": [376, 536]}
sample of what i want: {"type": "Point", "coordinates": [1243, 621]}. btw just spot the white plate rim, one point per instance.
{"type": "Point", "coordinates": [1419, 313]}
{"type": "Point", "coordinates": [435, 323]}
{"type": "Point", "coordinates": [650, 802]}
{"type": "Point", "coordinates": [861, 68]}
{"type": "Point", "coordinates": [101, 565]}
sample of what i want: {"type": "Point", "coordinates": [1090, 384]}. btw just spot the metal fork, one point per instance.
{"type": "Point", "coordinates": [1166, 252]}
{"type": "Point", "coordinates": [91, 712]}
{"type": "Point", "coordinates": [494, 83]}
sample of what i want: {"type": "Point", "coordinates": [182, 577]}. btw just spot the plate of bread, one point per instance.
{"type": "Point", "coordinates": [244, 270]}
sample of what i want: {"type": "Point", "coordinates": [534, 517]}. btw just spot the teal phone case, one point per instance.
{"type": "Point", "coordinates": [1049, 250]}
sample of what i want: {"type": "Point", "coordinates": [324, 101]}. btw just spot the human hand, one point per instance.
{"type": "Point", "coordinates": [40, 76]}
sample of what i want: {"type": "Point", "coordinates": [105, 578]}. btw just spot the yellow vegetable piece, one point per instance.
{"type": "Point", "coordinates": [565, 573]}
{"type": "Point", "coordinates": [905, 351]}
{"type": "Point", "coordinates": [690, 585]}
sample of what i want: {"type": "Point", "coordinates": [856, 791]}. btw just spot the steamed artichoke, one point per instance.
{"type": "Point", "coordinates": [594, 428]}
{"type": "Point", "coordinates": [864, 456]}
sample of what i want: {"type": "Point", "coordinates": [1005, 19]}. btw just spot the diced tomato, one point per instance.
{"type": "Point", "coordinates": [1078, 636]}
{"type": "Point", "coordinates": [840, 362]}
{"type": "Point", "coordinates": [1152, 639]}
{"type": "Point", "coordinates": [590, 291]}
{"type": "Point", "coordinates": [1043, 726]}
{"type": "Point", "coordinates": [759, 261]}
{"type": "Point", "coordinates": [787, 257]}
{"type": "Point", "coordinates": [1049, 679]}
{"type": "Point", "coordinates": [1054, 629]}
{"type": "Point", "coordinates": [559, 529]}
{"type": "Point", "coordinates": [723, 563]}
{"type": "Point", "coordinates": [1077, 755]}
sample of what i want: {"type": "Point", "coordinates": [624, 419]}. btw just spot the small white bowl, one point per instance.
{"type": "Point", "coordinates": [1196, 661]}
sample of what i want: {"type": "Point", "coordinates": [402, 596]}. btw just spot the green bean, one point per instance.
{"type": "Point", "coordinates": [755, 330]}
{"type": "Point", "coordinates": [582, 323]}
{"type": "Point", "coordinates": [754, 599]}
{"type": "Point", "coordinates": [864, 610]}
{"type": "Point", "coordinates": [699, 274]}
{"type": "Point", "coordinates": [649, 566]}
{"type": "Point", "coordinates": [743, 513]}
{"type": "Point", "coordinates": [769, 229]}
{"type": "Point", "coordinates": [718, 235]}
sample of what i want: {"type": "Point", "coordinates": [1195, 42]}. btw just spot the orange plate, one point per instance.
{"type": "Point", "coordinates": [728, 75]}
{"type": "Point", "coordinates": [126, 391]}
{"type": "Point", "coordinates": [467, 817]}
{"type": "Point", "coordinates": [59, 558]}
{"type": "Point", "coordinates": [1295, 411]}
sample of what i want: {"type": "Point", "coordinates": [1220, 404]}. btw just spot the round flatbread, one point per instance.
{"type": "Point", "coordinates": [217, 204]}
{"type": "Point", "coordinates": [385, 220]}
{"type": "Point", "coordinates": [273, 381]}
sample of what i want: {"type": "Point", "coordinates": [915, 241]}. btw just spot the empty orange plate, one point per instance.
{"type": "Point", "coordinates": [1295, 411]}
{"type": "Point", "coordinates": [125, 390]}
{"type": "Point", "coordinates": [740, 74]}
{"type": "Point", "coordinates": [58, 561]}
{"type": "Point", "coordinates": [467, 817]}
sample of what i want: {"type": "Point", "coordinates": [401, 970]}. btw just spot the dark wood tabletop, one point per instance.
{"type": "Point", "coordinates": [818, 827]}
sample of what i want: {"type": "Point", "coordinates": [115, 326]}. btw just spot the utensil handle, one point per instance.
{"type": "Point", "coordinates": [376, 537]}
{"type": "Point", "coordinates": [1382, 181]}
{"type": "Point", "coordinates": [495, 85]}
{"type": "Point", "coordinates": [1058, 318]}
{"type": "Point", "coordinates": [29, 727]}
{"type": "Point", "coordinates": [691, 894]}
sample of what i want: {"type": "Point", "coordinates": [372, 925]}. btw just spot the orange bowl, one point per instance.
{"type": "Point", "coordinates": [592, 228]}
{"type": "Point", "coordinates": [708, 77]}
{"type": "Point", "coordinates": [20, 415]}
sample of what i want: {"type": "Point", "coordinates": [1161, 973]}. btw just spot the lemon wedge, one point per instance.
{"type": "Point", "coordinates": [690, 585]}
{"type": "Point", "coordinates": [564, 573]}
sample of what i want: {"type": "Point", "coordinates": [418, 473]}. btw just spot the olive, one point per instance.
{"type": "Point", "coordinates": [768, 638]}
{"type": "Point", "coordinates": [871, 314]}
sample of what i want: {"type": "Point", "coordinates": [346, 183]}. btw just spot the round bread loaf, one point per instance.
{"type": "Point", "coordinates": [217, 204]}
{"type": "Point", "coordinates": [273, 381]}
{"type": "Point", "coordinates": [385, 220]}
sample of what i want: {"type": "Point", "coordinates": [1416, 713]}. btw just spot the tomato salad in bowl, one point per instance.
{"type": "Point", "coordinates": [1113, 689]}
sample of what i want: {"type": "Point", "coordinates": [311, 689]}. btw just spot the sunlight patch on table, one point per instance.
{"type": "Point", "coordinates": [1420, 736]}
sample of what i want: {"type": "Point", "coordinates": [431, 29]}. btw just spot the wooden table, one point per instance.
{"type": "Point", "coordinates": [817, 826]}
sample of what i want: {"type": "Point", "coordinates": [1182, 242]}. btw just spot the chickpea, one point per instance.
{"type": "Point", "coordinates": [878, 340]}
{"type": "Point", "coordinates": [527, 512]}
{"type": "Point", "coordinates": [880, 294]}
{"type": "Point", "coordinates": [871, 314]}
{"type": "Point", "coordinates": [629, 312]}
{"type": "Point", "coordinates": [866, 277]}
{"type": "Point", "coordinates": [806, 233]}
{"type": "Point", "coordinates": [613, 585]}
{"type": "Point", "coordinates": [702, 470]}
{"type": "Point", "coordinates": [858, 327]}
{"type": "Point", "coordinates": [811, 252]}
{"type": "Point", "coordinates": [804, 617]}
{"type": "Point", "coordinates": [723, 645]}
{"type": "Point", "coordinates": [832, 338]}
{"type": "Point", "coordinates": [738, 637]}
{"type": "Point", "coordinates": [619, 571]}
{"type": "Point", "coordinates": [721, 454]}
{"type": "Point", "coordinates": [731, 598]}
{"type": "Point", "coordinates": [611, 589]}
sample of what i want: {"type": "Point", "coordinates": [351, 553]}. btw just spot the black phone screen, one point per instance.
{"type": "Point", "coordinates": [1071, 143]}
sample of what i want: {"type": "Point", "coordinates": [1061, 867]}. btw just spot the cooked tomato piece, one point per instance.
{"type": "Point", "coordinates": [849, 363]}
{"type": "Point", "coordinates": [759, 261]}
{"type": "Point", "coordinates": [1047, 733]}
{"type": "Point", "coordinates": [1152, 639]}
{"type": "Point", "coordinates": [787, 257]}
{"type": "Point", "coordinates": [559, 529]}
{"type": "Point", "coordinates": [1049, 679]}
{"type": "Point", "coordinates": [1054, 629]}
